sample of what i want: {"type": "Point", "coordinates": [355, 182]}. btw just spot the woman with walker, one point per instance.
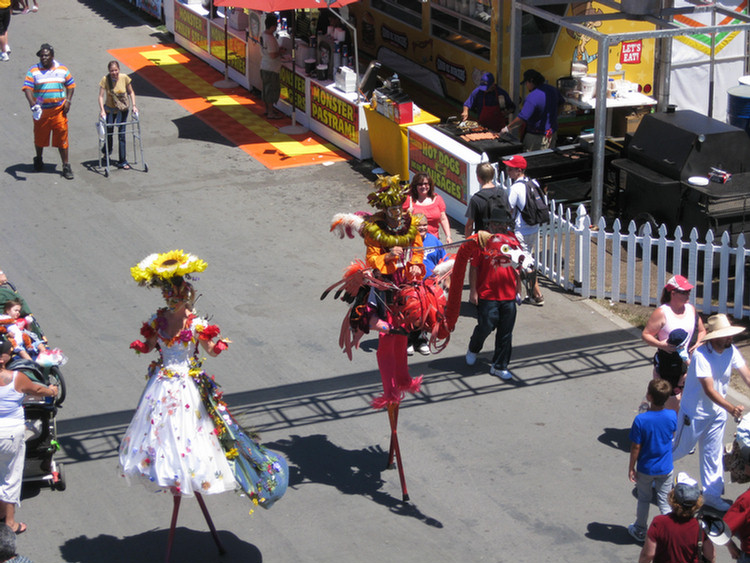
{"type": "Point", "coordinates": [114, 91]}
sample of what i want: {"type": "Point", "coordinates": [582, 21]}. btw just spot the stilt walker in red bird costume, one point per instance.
{"type": "Point", "coordinates": [387, 294]}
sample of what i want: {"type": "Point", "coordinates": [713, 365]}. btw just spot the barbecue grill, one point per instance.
{"type": "Point", "coordinates": [493, 144]}
{"type": "Point", "coordinates": [668, 158]}
{"type": "Point", "coordinates": [565, 171]}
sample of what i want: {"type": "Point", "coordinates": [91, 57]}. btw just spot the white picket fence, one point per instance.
{"type": "Point", "coordinates": [633, 267]}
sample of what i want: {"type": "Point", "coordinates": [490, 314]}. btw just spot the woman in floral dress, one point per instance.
{"type": "Point", "coordinates": [182, 437]}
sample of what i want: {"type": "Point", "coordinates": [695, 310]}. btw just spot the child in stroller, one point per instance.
{"type": "Point", "coordinates": [26, 343]}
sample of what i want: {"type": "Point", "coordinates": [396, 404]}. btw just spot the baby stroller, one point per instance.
{"type": "Point", "coordinates": [41, 424]}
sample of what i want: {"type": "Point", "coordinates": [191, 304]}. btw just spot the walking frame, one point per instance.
{"type": "Point", "coordinates": [133, 143]}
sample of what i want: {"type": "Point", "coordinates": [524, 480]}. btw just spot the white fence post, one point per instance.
{"type": "Point", "coordinates": [739, 276]}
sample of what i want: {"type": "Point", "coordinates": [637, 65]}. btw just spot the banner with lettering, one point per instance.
{"type": "Point", "coordinates": [191, 26]}
{"type": "Point", "coordinates": [286, 76]}
{"type": "Point", "coordinates": [236, 48]}
{"type": "Point", "coordinates": [336, 113]}
{"type": "Point", "coordinates": [449, 173]}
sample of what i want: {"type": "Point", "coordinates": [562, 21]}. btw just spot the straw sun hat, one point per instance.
{"type": "Point", "coordinates": [718, 326]}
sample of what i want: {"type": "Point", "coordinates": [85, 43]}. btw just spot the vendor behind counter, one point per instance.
{"type": "Point", "coordinates": [490, 103]}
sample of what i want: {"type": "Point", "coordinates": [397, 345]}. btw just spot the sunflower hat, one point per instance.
{"type": "Point", "coordinates": [167, 269]}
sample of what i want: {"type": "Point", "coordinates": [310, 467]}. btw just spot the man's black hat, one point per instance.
{"type": "Point", "coordinates": [45, 47]}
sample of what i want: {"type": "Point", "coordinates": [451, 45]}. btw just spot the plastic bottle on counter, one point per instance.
{"type": "Point", "coordinates": [345, 55]}
{"type": "Point", "coordinates": [336, 56]}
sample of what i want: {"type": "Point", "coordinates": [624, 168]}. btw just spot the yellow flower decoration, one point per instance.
{"type": "Point", "coordinates": [177, 263]}
{"type": "Point", "coordinates": [157, 268]}
{"type": "Point", "coordinates": [233, 453]}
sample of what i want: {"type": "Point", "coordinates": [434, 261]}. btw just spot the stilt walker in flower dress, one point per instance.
{"type": "Point", "coordinates": [387, 294]}
{"type": "Point", "coordinates": [182, 438]}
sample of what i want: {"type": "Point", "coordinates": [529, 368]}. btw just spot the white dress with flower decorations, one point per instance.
{"type": "Point", "coordinates": [172, 441]}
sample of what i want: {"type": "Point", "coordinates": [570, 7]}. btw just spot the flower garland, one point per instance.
{"type": "Point", "coordinates": [375, 229]}
{"type": "Point", "coordinates": [153, 329]}
{"type": "Point", "coordinates": [159, 269]}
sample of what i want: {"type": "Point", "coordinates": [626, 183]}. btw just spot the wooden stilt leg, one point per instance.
{"type": "Point", "coordinates": [170, 538]}
{"type": "Point", "coordinates": [210, 522]}
{"type": "Point", "coordinates": [393, 419]}
{"type": "Point", "coordinates": [395, 451]}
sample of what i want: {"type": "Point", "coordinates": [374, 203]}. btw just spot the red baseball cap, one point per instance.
{"type": "Point", "coordinates": [678, 282]}
{"type": "Point", "coordinates": [515, 161]}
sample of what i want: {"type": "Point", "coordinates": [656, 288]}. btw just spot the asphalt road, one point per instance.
{"type": "Point", "coordinates": [522, 472]}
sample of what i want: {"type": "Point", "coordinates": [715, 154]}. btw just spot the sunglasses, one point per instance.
{"type": "Point", "coordinates": [682, 291]}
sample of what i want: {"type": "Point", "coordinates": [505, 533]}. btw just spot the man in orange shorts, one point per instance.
{"type": "Point", "coordinates": [49, 88]}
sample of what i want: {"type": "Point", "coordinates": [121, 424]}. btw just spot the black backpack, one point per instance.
{"type": "Point", "coordinates": [493, 198]}
{"type": "Point", "coordinates": [536, 210]}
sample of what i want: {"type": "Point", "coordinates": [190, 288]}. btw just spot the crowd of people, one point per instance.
{"type": "Point", "coordinates": [687, 407]}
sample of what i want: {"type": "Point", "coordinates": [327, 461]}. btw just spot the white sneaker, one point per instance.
{"type": "Point", "coordinates": [4, 57]}
{"type": "Point", "coordinates": [501, 373]}
{"type": "Point", "coordinates": [7, 48]}
{"type": "Point", "coordinates": [423, 349]}
{"type": "Point", "coordinates": [410, 350]}
{"type": "Point", "coordinates": [471, 358]}
{"type": "Point", "coordinates": [637, 534]}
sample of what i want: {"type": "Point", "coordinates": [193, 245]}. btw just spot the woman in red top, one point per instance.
{"type": "Point", "coordinates": [673, 537]}
{"type": "Point", "coordinates": [422, 200]}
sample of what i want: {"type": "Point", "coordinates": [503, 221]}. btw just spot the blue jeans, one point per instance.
{"type": "Point", "coordinates": [501, 317]}
{"type": "Point", "coordinates": [115, 119]}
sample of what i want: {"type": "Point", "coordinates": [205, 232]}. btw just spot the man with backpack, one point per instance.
{"type": "Point", "coordinates": [529, 210]}
{"type": "Point", "coordinates": [481, 203]}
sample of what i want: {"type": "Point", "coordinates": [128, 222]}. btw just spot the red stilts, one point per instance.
{"type": "Point", "coordinates": [210, 522]}
{"type": "Point", "coordinates": [176, 508]}
{"type": "Point", "coordinates": [394, 451]}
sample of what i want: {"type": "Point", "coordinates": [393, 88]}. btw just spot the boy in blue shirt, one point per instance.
{"type": "Point", "coordinates": [651, 447]}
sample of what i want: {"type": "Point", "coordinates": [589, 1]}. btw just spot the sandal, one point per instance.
{"type": "Point", "coordinates": [123, 166]}
{"type": "Point", "coordinates": [20, 529]}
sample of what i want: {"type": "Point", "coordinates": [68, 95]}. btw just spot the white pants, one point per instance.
{"type": "Point", "coordinates": [708, 434]}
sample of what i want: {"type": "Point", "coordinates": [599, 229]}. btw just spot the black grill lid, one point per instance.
{"type": "Point", "coordinates": [685, 143]}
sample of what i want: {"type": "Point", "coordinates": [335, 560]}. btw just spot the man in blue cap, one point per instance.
{"type": "Point", "coordinates": [490, 102]}
{"type": "Point", "coordinates": [538, 116]}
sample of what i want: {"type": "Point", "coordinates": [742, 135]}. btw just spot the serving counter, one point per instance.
{"type": "Point", "coordinates": [389, 140]}
{"type": "Point", "coordinates": [204, 37]}
{"type": "Point", "coordinates": [624, 101]}
{"type": "Point", "coordinates": [336, 116]}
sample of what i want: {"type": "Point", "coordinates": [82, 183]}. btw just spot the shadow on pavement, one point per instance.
{"type": "Point", "coordinates": [611, 533]}
{"type": "Point", "coordinates": [150, 547]}
{"type": "Point", "coordinates": [617, 438]}
{"type": "Point", "coordinates": [316, 459]}
{"type": "Point", "coordinates": [446, 378]}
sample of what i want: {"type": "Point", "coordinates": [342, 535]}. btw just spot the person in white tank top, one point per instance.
{"type": "Point", "coordinates": [674, 314]}
{"type": "Point", "coordinates": [14, 386]}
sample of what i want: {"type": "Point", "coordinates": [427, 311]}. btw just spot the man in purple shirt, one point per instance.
{"type": "Point", "coordinates": [539, 113]}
